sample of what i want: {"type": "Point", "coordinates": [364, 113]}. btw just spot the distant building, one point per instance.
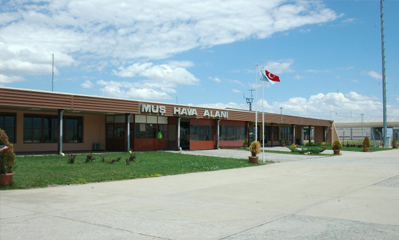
{"type": "Point", "coordinates": [356, 129]}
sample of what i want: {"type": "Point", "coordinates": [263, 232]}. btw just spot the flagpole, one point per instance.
{"type": "Point", "coordinates": [263, 121]}
{"type": "Point", "coordinates": [256, 99]}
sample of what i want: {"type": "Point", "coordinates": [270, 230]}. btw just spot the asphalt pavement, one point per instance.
{"type": "Point", "coordinates": [352, 196]}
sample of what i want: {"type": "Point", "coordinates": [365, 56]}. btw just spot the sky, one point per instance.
{"type": "Point", "coordinates": [208, 52]}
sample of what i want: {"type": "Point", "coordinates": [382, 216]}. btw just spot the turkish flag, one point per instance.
{"type": "Point", "coordinates": [272, 77]}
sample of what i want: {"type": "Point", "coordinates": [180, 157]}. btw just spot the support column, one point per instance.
{"type": "Point", "coordinates": [324, 134]}
{"type": "Point", "coordinates": [218, 133]}
{"type": "Point", "coordinates": [310, 135]}
{"type": "Point", "coordinates": [293, 134]}
{"type": "Point", "coordinates": [272, 133]}
{"type": "Point", "coordinates": [127, 135]}
{"type": "Point", "coordinates": [178, 133]}
{"type": "Point", "coordinates": [60, 130]}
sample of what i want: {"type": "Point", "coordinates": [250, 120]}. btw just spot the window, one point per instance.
{"type": "Point", "coordinates": [286, 133]}
{"type": "Point", "coordinates": [40, 129]}
{"type": "Point", "coordinates": [275, 134]}
{"type": "Point", "coordinates": [232, 133]}
{"type": "Point", "coordinates": [146, 130]}
{"type": "Point", "coordinates": [44, 129]}
{"type": "Point", "coordinates": [7, 123]}
{"type": "Point", "coordinates": [73, 128]}
{"type": "Point", "coordinates": [149, 126]}
{"type": "Point", "coordinates": [201, 133]}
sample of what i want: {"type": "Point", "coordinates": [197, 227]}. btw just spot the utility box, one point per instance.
{"type": "Point", "coordinates": [97, 147]}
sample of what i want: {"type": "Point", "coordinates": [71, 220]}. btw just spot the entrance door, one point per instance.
{"type": "Point", "coordinates": [185, 135]}
{"type": "Point", "coordinates": [115, 140]}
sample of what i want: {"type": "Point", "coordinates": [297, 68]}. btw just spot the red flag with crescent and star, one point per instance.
{"type": "Point", "coordinates": [269, 77]}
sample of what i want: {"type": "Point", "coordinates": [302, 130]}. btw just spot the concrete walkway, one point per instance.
{"type": "Point", "coordinates": [353, 196]}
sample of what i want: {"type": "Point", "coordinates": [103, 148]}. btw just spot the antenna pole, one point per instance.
{"type": "Point", "coordinates": [52, 76]}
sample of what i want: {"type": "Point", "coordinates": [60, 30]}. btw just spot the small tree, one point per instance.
{"type": "Point", "coordinates": [366, 142]}
{"type": "Point", "coordinates": [7, 156]}
{"type": "Point", "coordinates": [337, 145]}
{"type": "Point", "coordinates": [254, 148]}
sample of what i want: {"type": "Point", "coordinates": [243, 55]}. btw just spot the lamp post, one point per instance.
{"type": "Point", "coordinates": [362, 124]}
{"type": "Point", "coordinates": [384, 91]}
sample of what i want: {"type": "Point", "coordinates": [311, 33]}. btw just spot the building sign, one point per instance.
{"type": "Point", "coordinates": [149, 108]}
{"type": "Point", "coordinates": [182, 111]}
{"type": "Point", "coordinates": [185, 111]}
{"type": "Point", "coordinates": [218, 114]}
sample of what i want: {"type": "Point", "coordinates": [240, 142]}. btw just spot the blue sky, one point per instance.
{"type": "Point", "coordinates": [326, 53]}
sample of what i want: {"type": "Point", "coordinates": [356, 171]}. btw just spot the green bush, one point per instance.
{"type": "Point", "coordinates": [245, 143]}
{"type": "Point", "coordinates": [394, 143]}
{"type": "Point", "coordinates": [366, 142]}
{"type": "Point", "coordinates": [337, 145]}
{"type": "Point", "coordinates": [7, 156]}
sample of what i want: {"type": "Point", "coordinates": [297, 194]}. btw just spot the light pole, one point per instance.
{"type": "Point", "coordinates": [384, 90]}
{"type": "Point", "coordinates": [362, 124]}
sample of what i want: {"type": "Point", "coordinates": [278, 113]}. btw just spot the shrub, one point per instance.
{"type": "Point", "coordinates": [394, 143]}
{"type": "Point", "coordinates": [323, 144]}
{"type": "Point", "coordinates": [337, 145]}
{"type": "Point", "coordinates": [89, 158]}
{"type": "Point", "coordinates": [254, 148]}
{"type": "Point", "coordinates": [71, 158]}
{"type": "Point", "coordinates": [245, 143]}
{"type": "Point", "coordinates": [366, 142]}
{"type": "Point", "coordinates": [292, 146]}
{"type": "Point", "coordinates": [7, 156]}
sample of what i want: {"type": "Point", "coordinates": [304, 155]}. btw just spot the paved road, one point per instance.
{"type": "Point", "coordinates": [353, 196]}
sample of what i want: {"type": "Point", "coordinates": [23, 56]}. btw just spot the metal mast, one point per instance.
{"type": "Point", "coordinates": [384, 91]}
{"type": "Point", "coordinates": [250, 100]}
{"type": "Point", "coordinates": [52, 76]}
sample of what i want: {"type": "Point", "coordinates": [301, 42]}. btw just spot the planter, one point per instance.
{"type": "Point", "coordinates": [337, 151]}
{"type": "Point", "coordinates": [253, 159]}
{"type": "Point", "coordinates": [323, 147]}
{"type": "Point", "coordinates": [283, 144]}
{"type": "Point", "coordinates": [5, 179]}
{"type": "Point", "coordinates": [366, 149]}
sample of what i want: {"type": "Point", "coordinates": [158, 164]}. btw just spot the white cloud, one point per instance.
{"type": "Point", "coordinates": [236, 82]}
{"type": "Point", "coordinates": [236, 91]}
{"type": "Point", "coordinates": [297, 76]}
{"type": "Point", "coordinates": [153, 79]}
{"type": "Point", "coordinates": [331, 105]}
{"type": "Point", "coordinates": [215, 79]}
{"type": "Point", "coordinates": [224, 105]}
{"type": "Point", "coordinates": [375, 75]}
{"type": "Point", "coordinates": [305, 30]}
{"type": "Point", "coordinates": [317, 71]}
{"type": "Point", "coordinates": [128, 90]}
{"type": "Point", "coordinates": [279, 66]}
{"type": "Point", "coordinates": [83, 33]}
{"type": "Point", "coordinates": [10, 79]}
{"type": "Point", "coordinates": [169, 74]}
{"type": "Point", "coordinates": [87, 84]}
{"type": "Point", "coordinates": [348, 20]}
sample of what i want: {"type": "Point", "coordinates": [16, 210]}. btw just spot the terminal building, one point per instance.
{"type": "Point", "coordinates": [39, 121]}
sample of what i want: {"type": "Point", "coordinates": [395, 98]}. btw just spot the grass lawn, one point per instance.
{"type": "Point", "coordinates": [43, 171]}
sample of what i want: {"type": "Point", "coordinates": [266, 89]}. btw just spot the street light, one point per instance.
{"type": "Point", "coordinates": [362, 124]}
